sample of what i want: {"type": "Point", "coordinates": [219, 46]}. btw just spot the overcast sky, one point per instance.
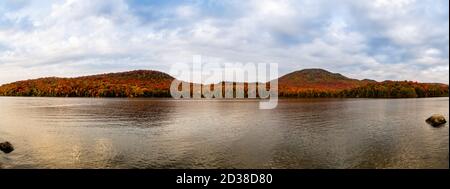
{"type": "Point", "coordinates": [376, 39]}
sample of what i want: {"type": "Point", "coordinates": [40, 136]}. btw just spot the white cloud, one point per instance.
{"type": "Point", "coordinates": [398, 40]}
{"type": "Point", "coordinates": [186, 11]}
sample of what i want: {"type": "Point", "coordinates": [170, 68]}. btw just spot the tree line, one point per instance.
{"type": "Point", "coordinates": [159, 86]}
{"type": "Point", "coordinates": [386, 89]}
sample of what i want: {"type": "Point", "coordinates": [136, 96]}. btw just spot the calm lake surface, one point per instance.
{"type": "Point", "coordinates": [166, 133]}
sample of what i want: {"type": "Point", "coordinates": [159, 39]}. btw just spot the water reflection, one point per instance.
{"type": "Point", "coordinates": [165, 133]}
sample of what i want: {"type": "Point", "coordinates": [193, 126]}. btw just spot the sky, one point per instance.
{"type": "Point", "coordinates": [375, 39]}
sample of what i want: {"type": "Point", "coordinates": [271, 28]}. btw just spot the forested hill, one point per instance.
{"type": "Point", "coordinates": [322, 83]}
{"type": "Point", "coordinates": [124, 84]}
{"type": "Point", "coordinates": [143, 83]}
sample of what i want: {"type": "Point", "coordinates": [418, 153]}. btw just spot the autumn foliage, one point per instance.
{"type": "Point", "coordinates": [139, 83]}
{"type": "Point", "coordinates": [397, 89]}
{"type": "Point", "coordinates": [308, 83]}
{"type": "Point", "coordinates": [321, 83]}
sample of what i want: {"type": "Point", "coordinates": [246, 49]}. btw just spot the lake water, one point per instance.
{"type": "Point", "coordinates": [166, 133]}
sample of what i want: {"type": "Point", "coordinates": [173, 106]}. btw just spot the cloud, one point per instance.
{"type": "Point", "coordinates": [396, 40]}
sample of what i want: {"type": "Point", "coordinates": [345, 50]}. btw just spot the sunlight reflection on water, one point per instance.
{"type": "Point", "coordinates": [165, 133]}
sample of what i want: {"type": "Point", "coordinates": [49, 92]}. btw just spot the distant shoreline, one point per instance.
{"type": "Point", "coordinates": [307, 83]}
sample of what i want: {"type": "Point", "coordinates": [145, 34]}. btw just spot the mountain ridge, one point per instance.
{"type": "Point", "coordinates": [313, 82]}
{"type": "Point", "coordinates": [316, 78]}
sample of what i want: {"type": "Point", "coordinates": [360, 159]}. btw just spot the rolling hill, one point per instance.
{"type": "Point", "coordinates": [124, 84]}
{"type": "Point", "coordinates": [146, 83]}
{"type": "Point", "coordinates": [315, 80]}
{"type": "Point", "coordinates": [322, 83]}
